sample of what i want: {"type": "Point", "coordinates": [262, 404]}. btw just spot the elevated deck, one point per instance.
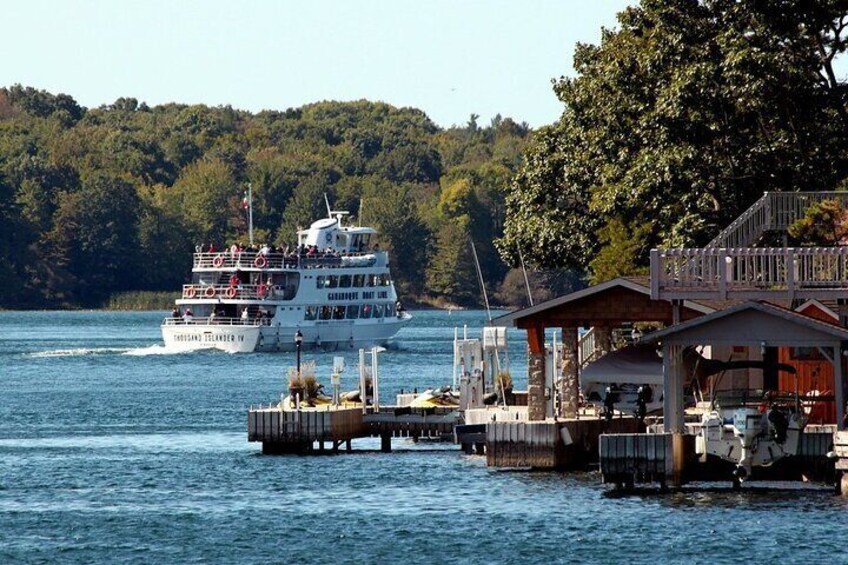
{"type": "Point", "coordinates": [731, 268]}
{"type": "Point", "coordinates": [750, 273]}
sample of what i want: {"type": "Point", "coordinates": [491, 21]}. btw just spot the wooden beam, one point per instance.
{"type": "Point", "coordinates": [536, 339]}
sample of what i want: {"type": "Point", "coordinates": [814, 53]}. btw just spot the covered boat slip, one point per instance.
{"type": "Point", "coordinates": [614, 304]}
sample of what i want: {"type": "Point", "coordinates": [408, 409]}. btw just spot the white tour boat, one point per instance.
{"type": "Point", "coordinates": [335, 288]}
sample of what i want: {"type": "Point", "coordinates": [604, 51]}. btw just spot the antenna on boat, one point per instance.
{"type": "Point", "coordinates": [480, 278]}
{"type": "Point", "coordinates": [526, 280]}
{"type": "Point", "coordinates": [250, 212]}
{"type": "Point", "coordinates": [327, 202]}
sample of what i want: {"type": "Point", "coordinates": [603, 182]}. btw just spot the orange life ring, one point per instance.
{"type": "Point", "coordinates": [260, 262]}
{"type": "Point", "coordinates": [191, 292]}
{"type": "Point", "coordinates": [218, 261]}
{"type": "Point", "coordinates": [230, 292]}
{"type": "Point", "coordinates": [209, 292]}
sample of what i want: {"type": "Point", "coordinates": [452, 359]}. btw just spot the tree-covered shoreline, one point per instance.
{"type": "Point", "coordinates": [110, 200]}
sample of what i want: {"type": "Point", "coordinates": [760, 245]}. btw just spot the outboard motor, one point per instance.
{"type": "Point", "coordinates": [610, 398]}
{"type": "Point", "coordinates": [644, 394]}
{"type": "Point", "coordinates": [779, 425]}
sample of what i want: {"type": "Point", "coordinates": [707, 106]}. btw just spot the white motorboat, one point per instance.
{"type": "Point", "coordinates": [750, 430]}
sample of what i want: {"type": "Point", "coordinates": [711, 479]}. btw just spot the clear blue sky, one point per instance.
{"type": "Point", "coordinates": [449, 58]}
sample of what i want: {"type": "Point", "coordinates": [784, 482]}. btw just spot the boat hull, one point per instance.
{"type": "Point", "coordinates": [191, 337]}
{"type": "Point", "coordinates": [319, 336]}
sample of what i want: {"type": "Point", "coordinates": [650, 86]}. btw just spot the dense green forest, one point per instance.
{"type": "Point", "coordinates": [97, 202]}
{"type": "Point", "coordinates": [679, 119]}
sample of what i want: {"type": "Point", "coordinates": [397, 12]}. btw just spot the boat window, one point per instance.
{"type": "Point", "coordinates": [371, 280]}
{"type": "Point", "coordinates": [310, 313]}
{"type": "Point", "coordinates": [390, 310]}
{"type": "Point", "coordinates": [344, 281]}
{"type": "Point", "coordinates": [319, 281]}
{"type": "Point", "coordinates": [378, 310]}
{"type": "Point", "coordinates": [384, 279]}
{"type": "Point", "coordinates": [358, 280]}
{"type": "Point", "coordinates": [352, 312]}
{"type": "Point", "coordinates": [338, 312]}
{"type": "Point", "coordinates": [332, 281]}
{"type": "Point", "coordinates": [326, 312]}
{"type": "Point", "coordinates": [365, 312]}
{"type": "Point", "coordinates": [366, 239]}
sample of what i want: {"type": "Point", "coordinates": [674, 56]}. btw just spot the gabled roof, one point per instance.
{"type": "Point", "coordinates": [633, 284]}
{"type": "Point", "coordinates": [766, 331]}
{"type": "Point", "coordinates": [817, 304]}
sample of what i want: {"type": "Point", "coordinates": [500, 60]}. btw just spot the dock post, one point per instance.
{"type": "Point", "coordinates": [536, 373]}
{"type": "Point", "coordinates": [386, 442]}
{"type": "Point", "coordinates": [839, 387]}
{"type": "Point", "coordinates": [570, 391]}
{"type": "Point", "coordinates": [673, 421]}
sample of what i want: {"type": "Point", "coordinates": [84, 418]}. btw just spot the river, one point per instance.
{"type": "Point", "coordinates": [113, 449]}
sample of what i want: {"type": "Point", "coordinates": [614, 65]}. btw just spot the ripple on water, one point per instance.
{"type": "Point", "coordinates": [111, 449]}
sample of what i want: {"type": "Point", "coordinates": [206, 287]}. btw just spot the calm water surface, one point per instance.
{"type": "Point", "coordinates": [112, 449]}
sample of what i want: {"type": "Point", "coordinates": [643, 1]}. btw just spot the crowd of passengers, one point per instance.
{"type": "Point", "coordinates": [263, 316]}
{"type": "Point", "coordinates": [288, 253]}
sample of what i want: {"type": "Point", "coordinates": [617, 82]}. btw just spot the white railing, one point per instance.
{"type": "Point", "coordinates": [248, 260]}
{"type": "Point", "coordinates": [240, 292]}
{"type": "Point", "coordinates": [216, 320]}
{"type": "Point", "coordinates": [750, 273]}
{"type": "Point", "coordinates": [774, 211]}
{"type": "Point", "coordinates": [586, 349]}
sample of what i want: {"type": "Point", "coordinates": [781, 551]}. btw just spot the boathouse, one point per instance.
{"type": "Point", "coordinates": [599, 309]}
{"type": "Point", "coordinates": [752, 325]}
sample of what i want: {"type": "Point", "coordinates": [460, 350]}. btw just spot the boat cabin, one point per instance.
{"type": "Point", "coordinates": [330, 234]}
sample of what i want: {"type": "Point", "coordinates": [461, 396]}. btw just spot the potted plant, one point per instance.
{"type": "Point", "coordinates": [503, 387]}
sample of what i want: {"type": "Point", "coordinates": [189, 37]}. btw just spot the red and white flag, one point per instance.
{"type": "Point", "coordinates": [244, 202]}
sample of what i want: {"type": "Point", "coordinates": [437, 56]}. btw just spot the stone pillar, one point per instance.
{"type": "Point", "coordinates": [569, 383]}
{"type": "Point", "coordinates": [536, 373]}
{"type": "Point", "coordinates": [603, 341]}
{"type": "Point", "coordinates": [536, 387]}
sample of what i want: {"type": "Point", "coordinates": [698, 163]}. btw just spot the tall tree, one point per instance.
{"type": "Point", "coordinates": [679, 120]}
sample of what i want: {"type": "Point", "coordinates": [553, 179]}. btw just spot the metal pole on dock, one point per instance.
{"type": "Point", "coordinates": [455, 336]}
{"type": "Point", "coordinates": [363, 392]}
{"type": "Point", "coordinates": [375, 380]}
{"type": "Point", "coordinates": [298, 341]}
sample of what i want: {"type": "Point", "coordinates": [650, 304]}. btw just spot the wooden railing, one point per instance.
{"type": "Point", "coordinates": [774, 211]}
{"type": "Point", "coordinates": [750, 273]}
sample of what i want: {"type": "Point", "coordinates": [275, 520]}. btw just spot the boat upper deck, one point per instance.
{"type": "Point", "coordinates": [250, 260]}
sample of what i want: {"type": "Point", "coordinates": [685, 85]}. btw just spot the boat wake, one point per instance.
{"type": "Point", "coordinates": [160, 350]}
{"type": "Point", "coordinates": [94, 351]}
{"type": "Point", "coordinates": [78, 352]}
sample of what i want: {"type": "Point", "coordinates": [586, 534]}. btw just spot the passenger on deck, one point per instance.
{"type": "Point", "coordinates": [212, 316]}
{"type": "Point", "coordinates": [188, 316]}
{"type": "Point", "coordinates": [244, 315]}
{"type": "Point", "coordinates": [175, 313]}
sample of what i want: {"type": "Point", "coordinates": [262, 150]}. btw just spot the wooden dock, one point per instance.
{"type": "Point", "coordinates": [561, 444]}
{"type": "Point", "coordinates": [324, 429]}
